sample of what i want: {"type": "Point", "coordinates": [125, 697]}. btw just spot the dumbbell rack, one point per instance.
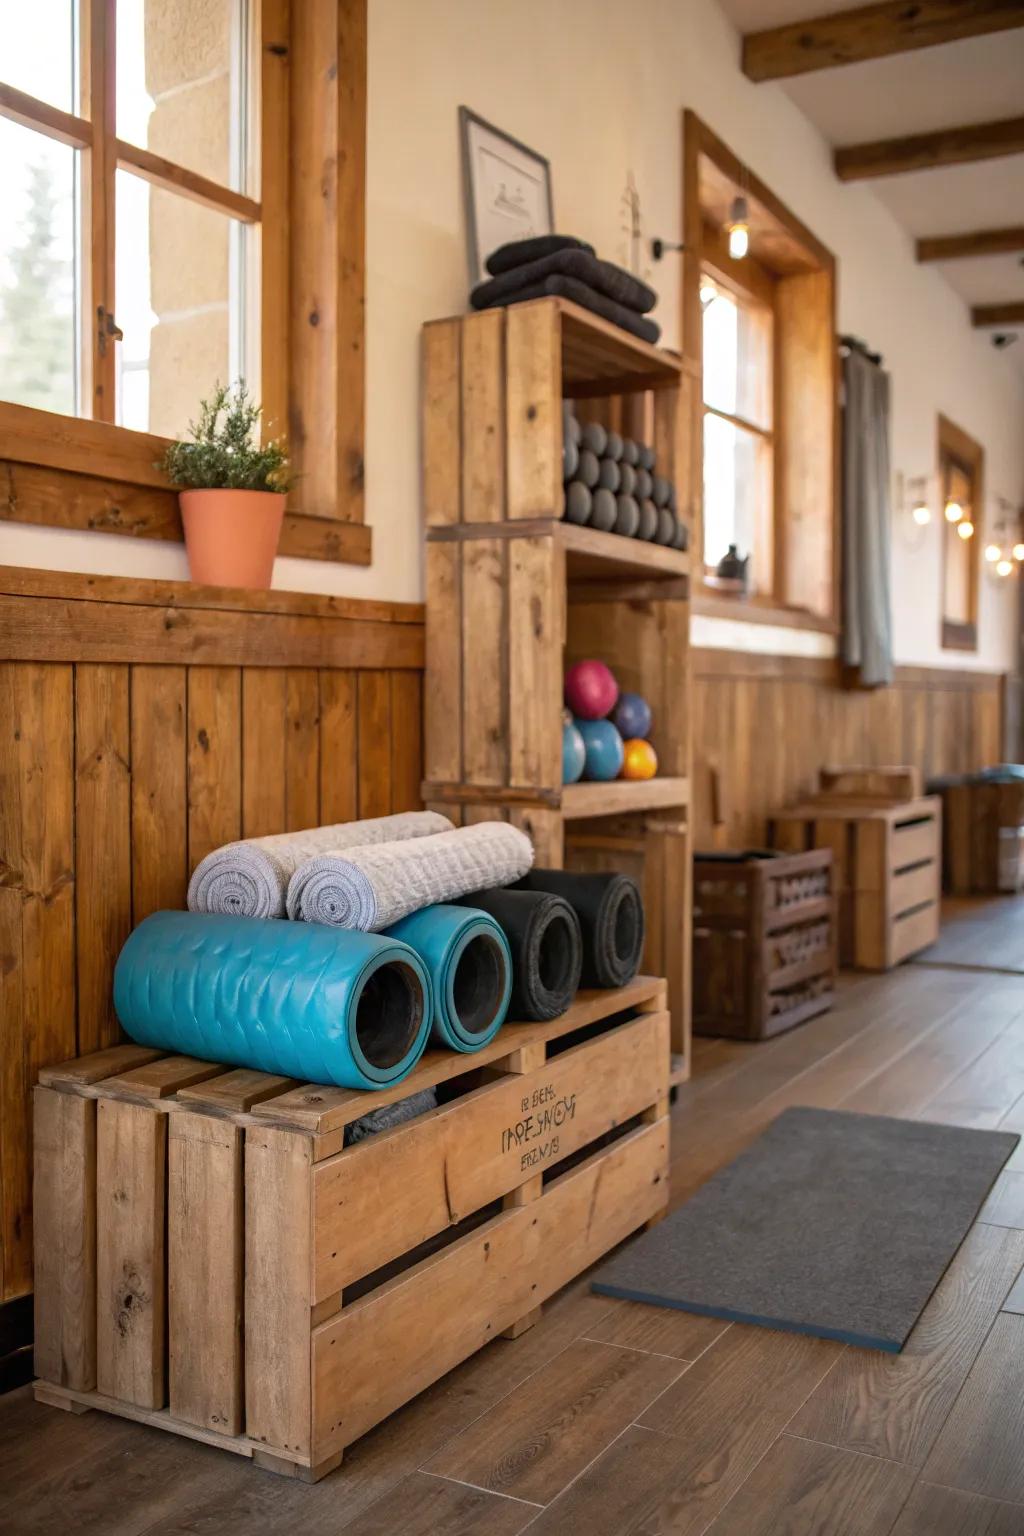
{"type": "Point", "coordinates": [515, 594]}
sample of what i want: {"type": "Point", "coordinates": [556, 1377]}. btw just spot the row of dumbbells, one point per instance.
{"type": "Point", "coordinates": [611, 485]}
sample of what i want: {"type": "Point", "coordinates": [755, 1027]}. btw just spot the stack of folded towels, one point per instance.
{"type": "Point", "coordinates": [570, 269]}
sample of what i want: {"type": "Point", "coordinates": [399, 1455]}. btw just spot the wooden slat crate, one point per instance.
{"type": "Point", "coordinates": [888, 868]}
{"type": "Point", "coordinates": [764, 943]}
{"type": "Point", "coordinates": [212, 1259]}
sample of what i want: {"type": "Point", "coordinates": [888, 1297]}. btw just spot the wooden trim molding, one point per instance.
{"type": "Point", "coordinates": [709, 662]}
{"type": "Point", "coordinates": [926, 151]}
{"type": "Point", "coordinates": [752, 609]}
{"type": "Point", "coordinates": [872, 32]}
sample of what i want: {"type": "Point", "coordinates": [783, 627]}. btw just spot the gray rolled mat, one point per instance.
{"type": "Point", "coordinates": [831, 1223]}
{"type": "Point", "coordinates": [389, 1115]}
{"type": "Point", "coordinates": [250, 879]}
{"type": "Point", "coordinates": [371, 888]}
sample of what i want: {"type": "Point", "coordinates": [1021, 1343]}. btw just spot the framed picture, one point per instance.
{"type": "Point", "coordinates": [506, 188]}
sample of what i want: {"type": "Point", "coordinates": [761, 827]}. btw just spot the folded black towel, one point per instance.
{"type": "Point", "coordinates": [558, 286]}
{"type": "Point", "coordinates": [543, 933]}
{"type": "Point", "coordinates": [516, 252]}
{"type": "Point", "coordinates": [611, 916]}
{"type": "Point", "coordinates": [603, 276]}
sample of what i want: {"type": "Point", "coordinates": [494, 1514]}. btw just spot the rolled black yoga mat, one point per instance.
{"type": "Point", "coordinates": [543, 933]}
{"type": "Point", "coordinates": [611, 918]}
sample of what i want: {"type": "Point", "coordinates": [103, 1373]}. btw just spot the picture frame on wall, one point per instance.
{"type": "Point", "coordinates": [506, 191]}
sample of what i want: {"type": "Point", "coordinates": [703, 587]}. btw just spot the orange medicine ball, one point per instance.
{"type": "Point", "coordinates": [639, 761]}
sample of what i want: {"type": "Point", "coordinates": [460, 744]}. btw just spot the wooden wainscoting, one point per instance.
{"type": "Point", "coordinates": [764, 725]}
{"type": "Point", "coordinates": [143, 723]}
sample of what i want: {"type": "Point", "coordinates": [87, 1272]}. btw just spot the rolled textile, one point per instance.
{"type": "Point", "coordinates": [470, 967]}
{"type": "Point", "coordinates": [371, 888]}
{"type": "Point", "coordinates": [559, 286]}
{"type": "Point", "coordinates": [389, 1115]}
{"type": "Point", "coordinates": [543, 933]}
{"type": "Point", "coordinates": [309, 1002]}
{"type": "Point", "coordinates": [611, 917]}
{"type": "Point", "coordinates": [250, 879]}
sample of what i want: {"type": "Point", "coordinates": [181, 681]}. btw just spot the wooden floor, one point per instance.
{"type": "Point", "coordinates": [985, 933]}
{"type": "Point", "coordinates": [609, 1418]}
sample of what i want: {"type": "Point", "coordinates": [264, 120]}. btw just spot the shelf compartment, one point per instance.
{"type": "Point", "coordinates": [594, 556]}
{"type": "Point", "coordinates": [619, 797]}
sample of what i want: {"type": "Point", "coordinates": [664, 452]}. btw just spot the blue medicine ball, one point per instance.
{"type": "Point", "coordinates": [632, 716]}
{"type": "Point", "coordinates": [574, 753]}
{"type": "Point", "coordinates": [603, 746]}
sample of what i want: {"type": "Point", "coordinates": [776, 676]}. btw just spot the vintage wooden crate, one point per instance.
{"type": "Point", "coordinates": [764, 943]}
{"type": "Point", "coordinates": [888, 868]}
{"type": "Point", "coordinates": [979, 818]}
{"type": "Point", "coordinates": [212, 1259]}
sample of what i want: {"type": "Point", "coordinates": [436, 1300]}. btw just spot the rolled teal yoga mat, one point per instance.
{"type": "Point", "coordinates": [470, 966]}
{"type": "Point", "coordinates": [325, 1005]}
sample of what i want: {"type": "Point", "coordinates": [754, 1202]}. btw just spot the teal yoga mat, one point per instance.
{"type": "Point", "coordinates": [324, 1005]}
{"type": "Point", "coordinates": [470, 966]}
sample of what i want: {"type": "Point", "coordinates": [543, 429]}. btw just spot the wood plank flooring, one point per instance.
{"type": "Point", "coordinates": [615, 1419]}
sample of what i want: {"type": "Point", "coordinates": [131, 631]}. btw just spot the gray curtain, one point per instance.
{"type": "Point", "coordinates": [867, 519]}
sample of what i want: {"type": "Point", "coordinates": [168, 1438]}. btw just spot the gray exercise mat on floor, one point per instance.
{"type": "Point", "coordinates": [833, 1224]}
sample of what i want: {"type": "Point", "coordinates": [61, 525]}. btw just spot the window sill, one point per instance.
{"type": "Point", "coordinates": [752, 609]}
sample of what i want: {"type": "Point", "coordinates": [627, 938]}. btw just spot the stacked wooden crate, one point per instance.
{"type": "Point", "coordinates": [214, 1260]}
{"type": "Point", "coordinates": [764, 943]}
{"type": "Point", "coordinates": [887, 856]}
{"type": "Point", "coordinates": [983, 832]}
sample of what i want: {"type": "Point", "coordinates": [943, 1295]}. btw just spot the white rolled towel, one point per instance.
{"type": "Point", "coordinates": [371, 888]}
{"type": "Point", "coordinates": [250, 878]}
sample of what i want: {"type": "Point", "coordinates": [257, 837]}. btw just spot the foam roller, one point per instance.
{"type": "Point", "coordinates": [543, 933]}
{"type": "Point", "coordinates": [319, 1004]}
{"type": "Point", "coordinates": [469, 962]}
{"type": "Point", "coordinates": [611, 919]}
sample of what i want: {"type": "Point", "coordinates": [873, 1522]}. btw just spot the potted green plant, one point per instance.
{"type": "Point", "coordinates": [232, 491]}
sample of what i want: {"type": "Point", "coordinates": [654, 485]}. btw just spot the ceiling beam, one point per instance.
{"type": "Point", "coordinates": [997, 314]}
{"type": "Point", "coordinates": [925, 151]}
{"type": "Point", "coordinates": [979, 242]}
{"type": "Point", "coordinates": [872, 32]}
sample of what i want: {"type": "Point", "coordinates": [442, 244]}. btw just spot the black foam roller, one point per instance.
{"type": "Point", "coordinates": [570, 459]}
{"type": "Point", "coordinates": [666, 527]}
{"type": "Point", "coordinates": [645, 456]}
{"type": "Point", "coordinates": [570, 426]}
{"type": "Point", "coordinates": [682, 538]}
{"type": "Point", "coordinates": [595, 437]}
{"type": "Point", "coordinates": [578, 502]}
{"type": "Point", "coordinates": [613, 447]}
{"type": "Point", "coordinates": [648, 525]}
{"type": "Point", "coordinates": [608, 479]}
{"type": "Point", "coordinates": [604, 511]}
{"type": "Point", "coordinates": [544, 936]}
{"type": "Point", "coordinates": [660, 489]}
{"type": "Point", "coordinates": [627, 479]}
{"type": "Point", "coordinates": [589, 468]}
{"type": "Point", "coordinates": [642, 489]}
{"type": "Point", "coordinates": [611, 919]}
{"type": "Point", "coordinates": [627, 516]}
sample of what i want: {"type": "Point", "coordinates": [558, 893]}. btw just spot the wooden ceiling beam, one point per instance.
{"type": "Point", "coordinates": [926, 151]}
{"type": "Point", "coordinates": [978, 242]}
{"type": "Point", "coordinates": [872, 32]}
{"type": "Point", "coordinates": [997, 314]}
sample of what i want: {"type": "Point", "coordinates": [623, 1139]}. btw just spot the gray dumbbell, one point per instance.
{"type": "Point", "coordinates": [666, 527]}
{"type": "Point", "coordinates": [578, 502]}
{"type": "Point", "coordinates": [627, 479]}
{"type": "Point", "coordinates": [648, 525]}
{"type": "Point", "coordinates": [630, 452]}
{"type": "Point", "coordinates": [589, 469]}
{"type": "Point", "coordinates": [643, 484]}
{"type": "Point", "coordinates": [570, 426]}
{"type": "Point", "coordinates": [613, 447]}
{"type": "Point", "coordinates": [660, 489]}
{"type": "Point", "coordinates": [608, 479]}
{"type": "Point", "coordinates": [595, 437]}
{"type": "Point", "coordinates": [570, 459]}
{"type": "Point", "coordinates": [627, 516]}
{"type": "Point", "coordinates": [604, 511]}
{"type": "Point", "coordinates": [672, 504]}
{"type": "Point", "coordinates": [682, 538]}
{"type": "Point", "coordinates": [645, 456]}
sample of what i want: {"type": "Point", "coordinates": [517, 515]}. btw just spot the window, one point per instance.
{"type": "Point", "coordinates": [961, 462]}
{"type": "Point", "coordinates": [128, 264]}
{"type": "Point", "coordinates": [738, 445]}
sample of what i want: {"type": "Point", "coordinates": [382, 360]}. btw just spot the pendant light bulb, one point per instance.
{"type": "Point", "coordinates": [1004, 567]}
{"type": "Point", "coordinates": [953, 512]}
{"type": "Point", "coordinates": [921, 514]}
{"type": "Point", "coordinates": [965, 529]}
{"type": "Point", "coordinates": [739, 229]}
{"type": "Point", "coordinates": [993, 553]}
{"type": "Point", "coordinates": [1018, 551]}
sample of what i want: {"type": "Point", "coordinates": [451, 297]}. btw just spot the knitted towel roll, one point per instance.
{"type": "Point", "coordinates": [250, 879]}
{"type": "Point", "coordinates": [371, 888]}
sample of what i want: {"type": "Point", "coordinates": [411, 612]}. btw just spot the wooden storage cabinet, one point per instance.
{"type": "Point", "coordinates": [888, 872]}
{"type": "Point", "coordinates": [975, 815]}
{"type": "Point", "coordinates": [764, 943]}
{"type": "Point", "coordinates": [514, 593]}
{"type": "Point", "coordinates": [213, 1259]}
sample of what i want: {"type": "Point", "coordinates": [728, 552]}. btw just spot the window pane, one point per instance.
{"type": "Point", "coordinates": [38, 278]}
{"type": "Point", "coordinates": [181, 83]}
{"type": "Point", "coordinates": [737, 355]}
{"type": "Point", "coordinates": [180, 303]}
{"type": "Point", "coordinates": [37, 49]}
{"type": "Point", "coordinates": [737, 491]}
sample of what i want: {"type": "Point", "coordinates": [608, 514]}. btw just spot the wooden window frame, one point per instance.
{"type": "Point", "coordinates": [789, 268]}
{"type": "Point", "coordinates": [311, 64]}
{"type": "Point", "coordinates": [956, 445]}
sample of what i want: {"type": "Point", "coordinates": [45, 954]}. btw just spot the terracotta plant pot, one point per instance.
{"type": "Point", "coordinates": [231, 536]}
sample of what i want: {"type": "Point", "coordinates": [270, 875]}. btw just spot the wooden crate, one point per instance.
{"type": "Point", "coordinates": [887, 861]}
{"type": "Point", "coordinates": [764, 943]}
{"type": "Point", "coordinates": [872, 783]}
{"type": "Point", "coordinates": [213, 1260]}
{"type": "Point", "coordinates": [973, 814]}
{"type": "Point", "coordinates": [514, 593]}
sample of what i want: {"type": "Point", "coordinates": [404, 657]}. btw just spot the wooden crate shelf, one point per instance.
{"type": "Point", "coordinates": [888, 871]}
{"type": "Point", "coordinates": [515, 594]}
{"type": "Point", "coordinates": [975, 813]}
{"type": "Point", "coordinates": [213, 1260]}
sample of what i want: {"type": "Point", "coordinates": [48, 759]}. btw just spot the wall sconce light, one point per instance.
{"type": "Point", "coordinates": [1018, 551]}
{"type": "Point", "coordinates": [738, 229]}
{"type": "Point", "coordinates": [965, 529]}
{"type": "Point", "coordinates": [993, 554]}
{"type": "Point", "coordinates": [1004, 567]}
{"type": "Point", "coordinates": [915, 499]}
{"type": "Point", "coordinates": [953, 512]}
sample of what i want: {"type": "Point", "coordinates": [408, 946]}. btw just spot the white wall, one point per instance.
{"type": "Point", "coordinates": [599, 88]}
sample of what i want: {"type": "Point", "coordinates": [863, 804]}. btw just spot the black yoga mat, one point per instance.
{"type": "Point", "coordinates": [832, 1224]}
{"type": "Point", "coordinates": [611, 917]}
{"type": "Point", "coordinates": [543, 933]}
